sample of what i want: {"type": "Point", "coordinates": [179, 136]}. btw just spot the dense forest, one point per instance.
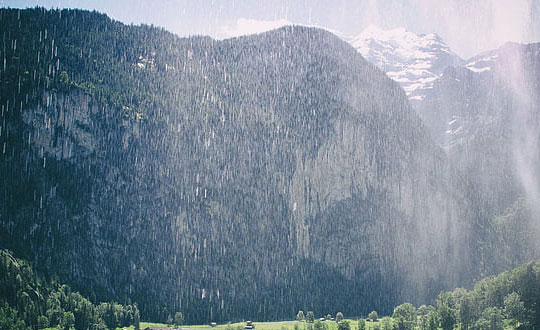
{"type": "Point", "coordinates": [506, 301]}
{"type": "Point", "coordinates": [30, 301]}
{"type": "Point", "coordinates": [243, 178]}
{"type": "Point", "coordinates": [509, 300]}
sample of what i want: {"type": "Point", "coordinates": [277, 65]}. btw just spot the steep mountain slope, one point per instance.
{"type": "Point", "coordinates": [483, 111]}
{"type": "Point", "coordinates": [250, 177]}
{"type": "Point", "coordinates": [30, 301]}
{"type": "Point", "coordinates": [414, 61]}
{"type": "Point", "coordinates": [485, 114]}
{"type": "Point", "coordinates": [482, 87]}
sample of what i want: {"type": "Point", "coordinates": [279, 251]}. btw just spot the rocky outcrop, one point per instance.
{"type": "Point", "coordinates": [229, 178]}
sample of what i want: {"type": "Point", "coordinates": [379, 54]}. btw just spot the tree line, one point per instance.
{"type": "Point", "coordinates": [509, 300]}
{"type": "Point", "coordinates": [29, 302]}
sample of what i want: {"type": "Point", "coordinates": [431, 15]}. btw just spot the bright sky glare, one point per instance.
{"type": "Point", "coordinates": [468, 26]}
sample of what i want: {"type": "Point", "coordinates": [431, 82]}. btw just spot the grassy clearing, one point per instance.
{"type": "Point", "coordinates": [282, 325]}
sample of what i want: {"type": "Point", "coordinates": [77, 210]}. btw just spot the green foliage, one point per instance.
{"type": "Point", "coordinates": [373, 316]}
{"type": "Point", "coordinates": [43, 322]}
{"type": "Point", "coordinates": [494, 317]}
{"type": "Point", "coordinates": [339, 317]}
{"type": "Point", "coordinates": [514, 308]}
{"type": "Point", "coordinates": [64, 77]}
{"type": "Point", "coordinates": [68, 321]}
{"type": "Point", "coordinates": [446, 310]}
{"type": "Point", "coordinates": [424, 316]}
{"type": "Point", "coordinates": [387, 323]}
{"type": "Point", "coordinates": [447, 317]}
{"type": "Point", "coordinates": [318, 325]}
{"type": "Point", "coordinates": [137, 320]}
{"type": "Point", "coordinates": [344, 325]}
{"type": "Point", "coordinates": [481, 324]}
{"type": "Point", "coordinates": [26, 300]}
{"type": "Point", "coordinates": [491, 319]}
{"type": "Point", "coordinates": [10, 319]}
{"type": "Point", "coordinates": [310, 317]}
{"type": "Point", "coordinates": [361, 324]}
{"type": "Point", "coordinates": [466, 312]}
{"type": "Point", "coordinates": [483, 308]}
{"type": "Point", "coordinates": [512, 238]}
{"type": "Point", "coordinates": [433, 320]}
{"type": "Point", "coordinates": [405, 316]}
{"type": "Point", "coordinates": [513, 294]}
{"type": "Point", "coordinates": [300, 316]}
{"type": "Point", "coordinates": [178, 319]}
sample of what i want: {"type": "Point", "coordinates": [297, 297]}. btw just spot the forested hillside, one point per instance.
{"type": "Point", "coordinates": [244, 178]}
{"type": "Point", "coordinates": [507, 301]}
{"type": "Point", "coordinates": [30, 301]}
{"type": "Point", "coordinates": [511, 299]}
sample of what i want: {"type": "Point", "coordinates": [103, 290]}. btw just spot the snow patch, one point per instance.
{"type": "Point", "coordinates": [413, 60]}
{"type": "Point", "coordinates": [482, 64]}
{"type": "Point", "coordinates": [473, 69]}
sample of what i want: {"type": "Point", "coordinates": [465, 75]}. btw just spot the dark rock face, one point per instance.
{"type": "Point", "coordinates": [250, 177]}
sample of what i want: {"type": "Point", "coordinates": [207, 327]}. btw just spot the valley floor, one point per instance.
{"type": "Point", "coordinates": [281, 325]}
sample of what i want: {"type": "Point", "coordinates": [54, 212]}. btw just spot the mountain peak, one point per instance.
{"type": "Point", "coordinates": [413, 60]}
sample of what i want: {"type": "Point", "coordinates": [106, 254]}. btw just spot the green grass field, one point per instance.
{"type": "Point", "coordinates": [282, 325]}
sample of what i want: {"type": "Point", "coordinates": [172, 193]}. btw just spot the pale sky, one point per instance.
{"type": "Point", "coordinates": [468, 26]}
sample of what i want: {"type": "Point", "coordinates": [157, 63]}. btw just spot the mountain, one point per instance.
{"type": "Point", "coordinates": [244, 178]}
{"type": "Point", "coordinates": [480, 92]}
{"type": "Point", "coordinates": [415, 61]}
{"type": "Point", "coordinates": [485, 114]}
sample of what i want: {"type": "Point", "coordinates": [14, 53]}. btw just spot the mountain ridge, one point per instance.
{"type": "Point", "coordinates": [413, 60]}
{"type": "Point", "coordinates": [226, 179]}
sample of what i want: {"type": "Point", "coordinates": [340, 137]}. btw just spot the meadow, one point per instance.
{"type": "Point", "coordinates": [281, 325]}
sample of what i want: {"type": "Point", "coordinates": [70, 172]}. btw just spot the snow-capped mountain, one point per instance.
{"type": "Point", "coordinates": [482, 63]}
{"type": "Point", "coordinates": [413, 60]}
{"type": "Point", "coordinates": [478, 95]}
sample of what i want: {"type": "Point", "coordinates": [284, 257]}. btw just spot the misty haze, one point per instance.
{"type": "Point", "coordinates": [357, 165]}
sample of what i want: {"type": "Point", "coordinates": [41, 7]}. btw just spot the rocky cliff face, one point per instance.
{"type": "Point", "coordinates": [241, 178]}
